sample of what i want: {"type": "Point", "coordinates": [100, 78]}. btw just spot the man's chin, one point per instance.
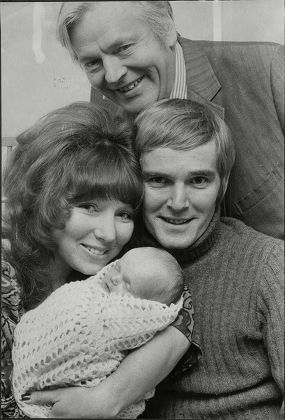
{"type": "Point", "coordinates": [175, 244]}
{"type": "Point", "coordinates": [135, 105]}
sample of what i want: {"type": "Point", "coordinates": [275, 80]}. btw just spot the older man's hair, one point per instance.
{"type": "Point", "coordinates": [158, 14]}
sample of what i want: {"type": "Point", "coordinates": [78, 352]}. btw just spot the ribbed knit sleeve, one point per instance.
{"type": "Point", "coordinates": [236, 280]}
{"type": "Point", "coordinates": [270, 310]}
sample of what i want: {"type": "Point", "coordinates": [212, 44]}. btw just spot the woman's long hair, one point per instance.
{"type": "Point", "coordinates": [72, 154]}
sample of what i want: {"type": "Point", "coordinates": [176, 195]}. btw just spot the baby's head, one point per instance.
{"type": "Point", "coordinates": [148, 273]}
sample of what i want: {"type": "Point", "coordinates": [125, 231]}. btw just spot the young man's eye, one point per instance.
{"type": "Point", "coordinates": [199, 181]}
{"type": "Point", "coordinates": [156, 181]}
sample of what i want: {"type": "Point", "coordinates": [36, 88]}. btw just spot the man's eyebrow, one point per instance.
{"type": "Point", "coordinates": [153, 173]}
{"type": "Point", "coordinates": [118, 42]}
{"type": "Point", "coordinates": [202, 172]}
{"type": "Point", "coordinates": [197, 172]}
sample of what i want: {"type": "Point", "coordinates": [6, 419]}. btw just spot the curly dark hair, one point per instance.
{"type": "Point", "coordinates": [75, 153]}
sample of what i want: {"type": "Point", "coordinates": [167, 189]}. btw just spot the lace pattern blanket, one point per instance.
{"type": "Point", "coordinates": [79, 335]}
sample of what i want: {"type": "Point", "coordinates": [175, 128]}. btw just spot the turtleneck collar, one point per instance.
{"type": "Point", "coordinates": [194, 251]}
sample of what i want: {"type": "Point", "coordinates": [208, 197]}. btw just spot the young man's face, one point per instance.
{"type": "Point", "coordinates": [122, 56]}
{"type": "Point", "coordinates": [181, 190]}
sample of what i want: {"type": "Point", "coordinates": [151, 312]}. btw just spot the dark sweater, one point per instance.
{"type": "Point", "coordinates": [235, 275]}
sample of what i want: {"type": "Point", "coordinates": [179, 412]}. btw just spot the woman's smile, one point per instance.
{"type": "Point", "coordinates": [95, 250]}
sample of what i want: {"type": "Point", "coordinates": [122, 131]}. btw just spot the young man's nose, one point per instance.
{"type": "Point", "coordinates": [114, 69]}
{"type": "Point", "coordinates": [178, 199]}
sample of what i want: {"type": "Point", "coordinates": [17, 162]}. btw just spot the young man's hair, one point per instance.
{"type": "Point", "coordinates": [181, 124]}
{"type": "Point", "coordinates": [157, 14]}
{"type": "Point", "coordinates": [74, 154]}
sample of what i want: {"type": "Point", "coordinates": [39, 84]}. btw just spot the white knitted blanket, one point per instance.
{"type": "Point", "coordinates": [79, 335]}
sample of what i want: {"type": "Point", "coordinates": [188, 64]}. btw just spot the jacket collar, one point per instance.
{"type": "Point", "coordinates": [200, 76]}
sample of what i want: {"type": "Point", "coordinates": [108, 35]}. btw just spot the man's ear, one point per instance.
{"type": "Point", "coordinates": [224, 186]}
{"type": "Point", "coordinates": [171, 37]}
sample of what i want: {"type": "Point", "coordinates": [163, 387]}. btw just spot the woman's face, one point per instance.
{"type": "Point", "coordinates": [181, 189]}
{"type": "Point", "coordinates": [93, 235]}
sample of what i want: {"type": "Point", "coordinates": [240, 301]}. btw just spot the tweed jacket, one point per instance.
{"type": "Point", "coordinates": [244, 82]}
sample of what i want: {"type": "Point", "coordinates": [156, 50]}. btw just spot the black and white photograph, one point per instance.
{"type": "Point", "coordinates": [142, 209]}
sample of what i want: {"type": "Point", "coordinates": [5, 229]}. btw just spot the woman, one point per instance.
{"type": "Point", "coordinates": [235, 273]}
{"type": "Point", "coordinates": [73, 187]}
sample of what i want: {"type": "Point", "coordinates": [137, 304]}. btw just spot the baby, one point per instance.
{"type": "Point", "coordinates": [80, 334]}
{"type": "Point", "coordinates": [146, 273]}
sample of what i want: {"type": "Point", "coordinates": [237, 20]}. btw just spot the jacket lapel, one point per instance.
{"type": "Point", "coordinates": [201, 79]}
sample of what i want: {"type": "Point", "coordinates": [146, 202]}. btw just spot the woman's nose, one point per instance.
{"type": "Point", "coordinates": [105, 229]}
{"type": "Point", "coordinates": [179, 199]}
{"type": "Point", "coordinates": [114, 70]}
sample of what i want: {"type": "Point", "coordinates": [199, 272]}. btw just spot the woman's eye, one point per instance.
{"type": "Point", "coordinates": [91, 208]}
{"type": "Point", "coordinates": [126, 216]}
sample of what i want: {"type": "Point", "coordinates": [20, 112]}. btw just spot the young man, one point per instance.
{"type": "Point", "coordinates": [235, 273]}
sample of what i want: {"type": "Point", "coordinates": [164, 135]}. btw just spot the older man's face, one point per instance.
{"type": "Point", "coordinates": [122, 56]}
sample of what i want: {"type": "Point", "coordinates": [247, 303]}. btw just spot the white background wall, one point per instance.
{"type": "Point", "coordinates": [237, 20]}
{"type": "Point", "coordinates": [38, 74]}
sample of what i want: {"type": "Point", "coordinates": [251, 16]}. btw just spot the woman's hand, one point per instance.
{"type": "Point", "coordinates": [74, 402]}
{"type": "Point", "coordinates": [138, 373]}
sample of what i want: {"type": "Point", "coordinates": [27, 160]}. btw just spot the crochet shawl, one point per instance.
{"type": "Point", "coordinates": [79, 335]}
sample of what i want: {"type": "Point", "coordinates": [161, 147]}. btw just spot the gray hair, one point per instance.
{"type": "Point", "coordinates": [158, 14]}
{"type": "Point", "coordinates": [182, 124]}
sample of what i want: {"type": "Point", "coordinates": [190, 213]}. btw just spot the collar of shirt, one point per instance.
{"type": "Point", "coordinates": [179, 88]}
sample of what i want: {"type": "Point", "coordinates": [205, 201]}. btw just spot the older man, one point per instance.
{"type": "Point", "coordinates": [133, 55]}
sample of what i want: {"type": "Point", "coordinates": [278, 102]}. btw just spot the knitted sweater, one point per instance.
{"type": "Point", "coordinates": [236, 278]}
{"type": "Point", "coordinates": [79, 335]}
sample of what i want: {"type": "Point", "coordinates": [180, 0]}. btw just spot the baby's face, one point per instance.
{"type": "Point", "coordinates": [125, 277]}
{"type": "Point", "coordinates": [117, 281]}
